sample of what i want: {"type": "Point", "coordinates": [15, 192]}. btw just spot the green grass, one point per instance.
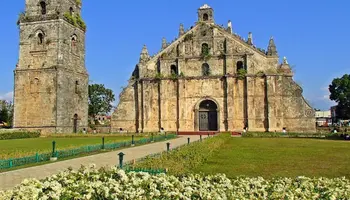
{"type": "Point", "coordinates": [28, 147]}
{"type": "Point", "coordinates": [266, 157]}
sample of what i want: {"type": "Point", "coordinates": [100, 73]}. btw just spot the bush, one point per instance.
{"type": "Point", "coordinates": [279, 134]}
{"type": "Point", "coordinates": [182, 160]}
{"type": "Point", "coordinates": [18, 135]}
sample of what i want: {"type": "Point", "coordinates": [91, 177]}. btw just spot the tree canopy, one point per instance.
{"type": "Point", "coordinates": [6, 112]}
{"type": "Point", "coordinates": [100, 100]}
{"type": "Point", "coordinates": [340, 93]}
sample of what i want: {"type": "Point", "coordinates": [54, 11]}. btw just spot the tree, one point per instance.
{"type": "Point", "coordinates": [100, 100]}
{"type": "Point", "coordinates": [340, 93]}
{"type": "Point", "coordinates": [6, 112]}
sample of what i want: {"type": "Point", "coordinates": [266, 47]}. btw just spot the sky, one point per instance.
{"type": "Point", "coordinates": [314, 35]}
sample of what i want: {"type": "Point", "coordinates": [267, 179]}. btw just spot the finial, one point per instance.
{"type": "Point", "coordinates": [250, 38]}
{"type": "Point", "coordinates": [164, 43]}
{"type": "Point", "coordinates": [229, 26]}
{"type": "Point", "coordinates": [271, 49]}
{"type": "Point", "coordinates": [181, 30]}
{"type": "Point", "coordinates": [285, 61]}
{"type": "Point", "coordinates": [144, 57]}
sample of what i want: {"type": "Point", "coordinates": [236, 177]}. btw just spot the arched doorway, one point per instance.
{"type": "Point", "coordinates": [75, 123]}
{"type": "Point", "coordinates": [208, 116]}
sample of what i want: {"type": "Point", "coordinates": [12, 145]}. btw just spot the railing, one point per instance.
{"type": "Point", "coordinates": [37, 158]}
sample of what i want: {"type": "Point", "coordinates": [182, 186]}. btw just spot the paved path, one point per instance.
{"type": "Point", "coordinates": [10, 179]}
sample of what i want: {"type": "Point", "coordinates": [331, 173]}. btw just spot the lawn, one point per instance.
{"type": "Point", "coordinates": [266, 157]}
{"type": "Point", "coordinates": [28, 147]}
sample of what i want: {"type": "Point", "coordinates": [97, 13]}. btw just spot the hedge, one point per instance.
{"type": "Point", "coordinates": [290, 135]}
{"type": "Point", "coordinates": [18, 135]}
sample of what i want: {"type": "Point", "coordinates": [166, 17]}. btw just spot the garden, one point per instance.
{"type": "Point", "coordinates": [221, 167]}
{"type": "Point", "coordinates": [101, 184]}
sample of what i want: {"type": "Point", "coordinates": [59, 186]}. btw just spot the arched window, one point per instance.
{"type": "Point", "coordinates": [74, 43]}
{"type": "Point", "coordinates": [173, 70]}
{"type": "Point", "coordinates": [205, 49]}
{"type": "Point", "coordinates": [240, 65]}
{"type": "Point", "coordinates": [76, 87]}
{"type": "Point", "coordinates": [205, 17]}
{"type": "Point", "coordinates": [71, 11]}
{"type": "Point", "coordinates": [43, 7]}
{"type": "Point", "coordinates": [40, 38]}
{"type": "Point", "coordinates": [205, 69]}
{"type": "Point", "coordinates": [35, 85]}
{"type": "Point", "coordinates": [75, 123]}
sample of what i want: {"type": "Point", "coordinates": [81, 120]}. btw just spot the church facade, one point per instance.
{"type": "Point", "coordinates": [210, 79]}
{"type": "Point", "coordinates": [51, 81]}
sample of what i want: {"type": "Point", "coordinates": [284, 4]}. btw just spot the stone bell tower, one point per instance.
{"type": "Point", "coordinates": [51, 81]}
{"type": "Point", "coordinates": [206, 14]}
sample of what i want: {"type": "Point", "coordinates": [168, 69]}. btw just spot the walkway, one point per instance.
{"type": "Point", "coordinates": [10, 179]}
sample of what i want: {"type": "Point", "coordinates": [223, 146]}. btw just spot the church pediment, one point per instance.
{"type": "Point", "coordinates": [218, 38]}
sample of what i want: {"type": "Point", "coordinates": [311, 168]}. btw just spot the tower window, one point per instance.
{"type": "Point", "coordinates": [40, 38]}
{"type": "Point", "coordinates": [76, 87]}
{"type": "Point", "coordinates": [35, 85]}
{"type": "Point", "coordinates": [173, 70]}
{"type": "Point", "coordinates": [240, 65]}
{"type": "Point", "coordinates": [205, 17]}
{"type": "Point", "coordinates": [205, 49]}
{"type": "Point", "coordinates": [205, 69]}
{"type": "Point", "coordinates": [43, 7]}
{"type": "Point", "coordinates": [71, 11]}
{"type": "Point", "coordinates": [74, 44]}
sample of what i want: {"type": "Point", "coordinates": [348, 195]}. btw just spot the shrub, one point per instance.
{"type": "Point", "coordinates": [182, 160]}
{"type": "Point", "coordinates": [241, 74]}
{"type": "Point", "coordinates": [75, 20]}
{"type": "Point", "coordinates": [18, 135]}
{"type": "Point", "coordinates": [279, 134]}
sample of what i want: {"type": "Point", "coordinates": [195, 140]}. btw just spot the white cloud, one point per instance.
{"type": "Point", "coordinates": [7, 96]}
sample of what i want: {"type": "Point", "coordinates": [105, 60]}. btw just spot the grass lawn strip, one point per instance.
{"type": "Point", "coordinates": [79, 155]}
{"type": "Point", "coordinates": [252, 157]}
{"type": "Point", "coordinates": [28, 147]}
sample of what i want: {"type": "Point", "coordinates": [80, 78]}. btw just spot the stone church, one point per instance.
{"type": "Point", "coordinates": [210, 79]}
{"type": "Point", "coordinates": [51, 81]}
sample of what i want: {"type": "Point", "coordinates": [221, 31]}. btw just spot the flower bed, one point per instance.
{"type": "Point", "coordinates": [90, 183]}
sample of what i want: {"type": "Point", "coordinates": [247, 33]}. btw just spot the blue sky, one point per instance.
{"type": "Point", "coordinates": [314, 35]}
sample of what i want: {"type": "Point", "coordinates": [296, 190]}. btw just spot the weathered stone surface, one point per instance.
{"type": "Point", "coordinates": [51, 81]}
{"type": "Point", "coordinates": [264, 99]}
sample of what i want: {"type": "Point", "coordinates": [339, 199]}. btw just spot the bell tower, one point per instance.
{"type": "Point", "coordinates": [51, 81]}
{"type": "Point", "coordinates": [206, 14]}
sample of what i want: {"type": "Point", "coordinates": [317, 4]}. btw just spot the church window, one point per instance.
{"type": "Point", "coordinates": [240, 65]}
{"type": "Point", "coordinates": [205, 49]}
{"type": "Point", "coordinates": [205, 69]}
{"type": "Point", "coordinates": [40, 38]}
{"type": "Point", "coordinates": [43, 7]}
{"type": "Point", "coordinates": [76, 87]}
{"type": "Point", "coordinates": [205, 17]}
{"type": "Point", "coordinates": [173, 70]}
